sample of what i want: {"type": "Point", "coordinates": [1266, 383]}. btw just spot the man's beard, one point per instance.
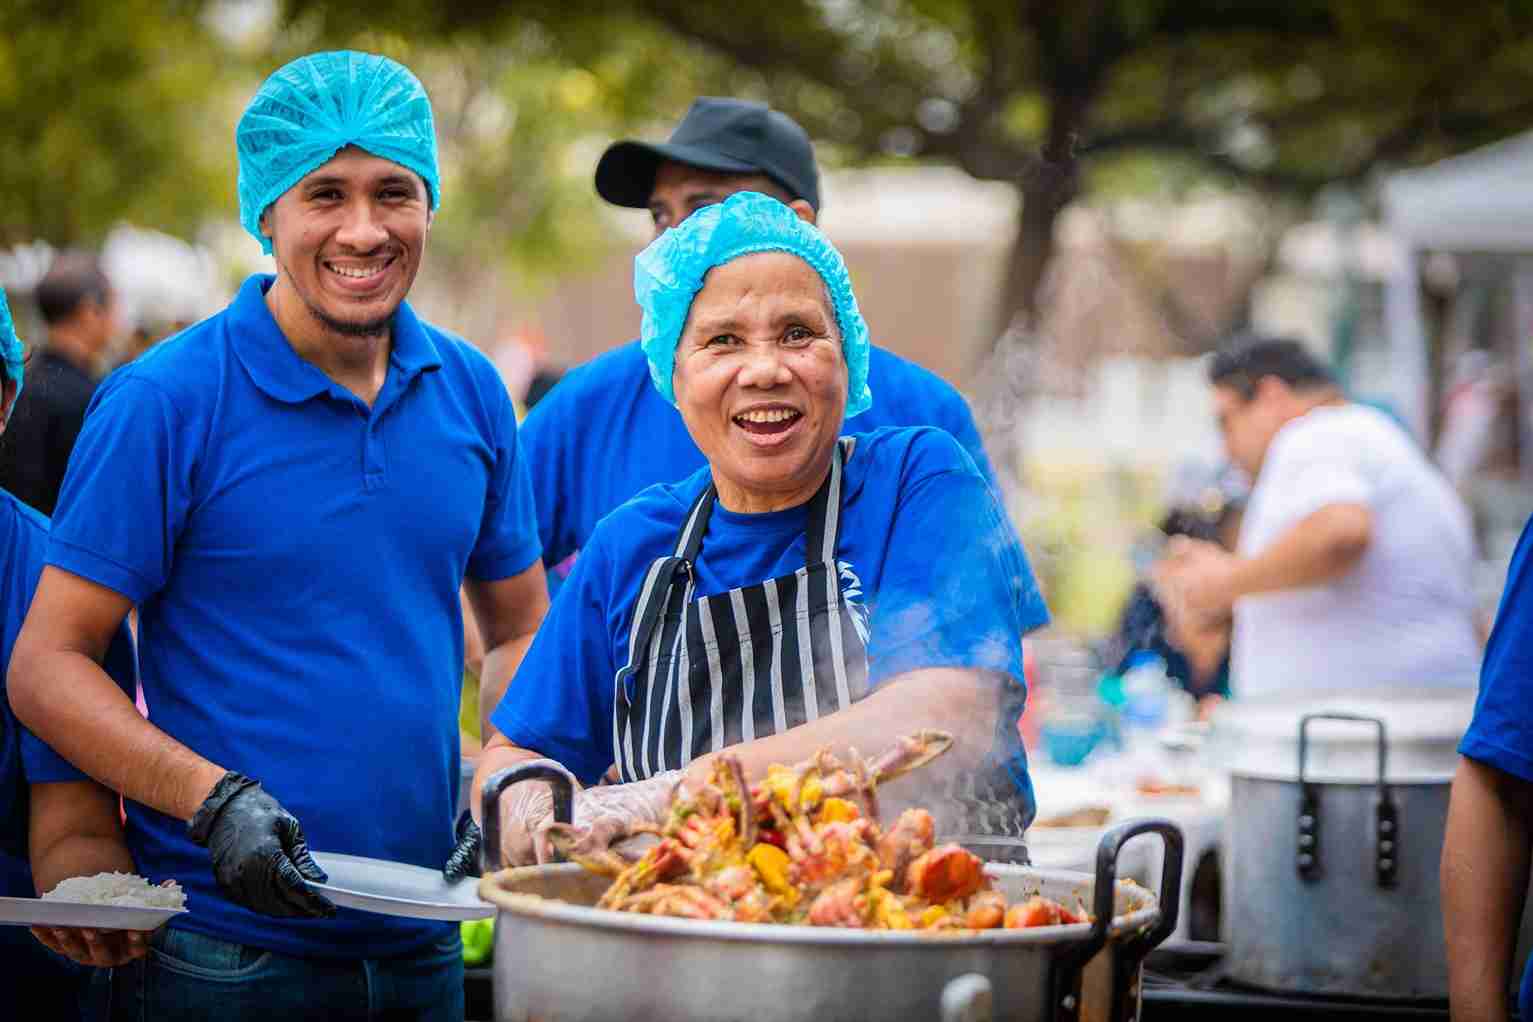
{"type": "Point", "coordinates": [349, 328]}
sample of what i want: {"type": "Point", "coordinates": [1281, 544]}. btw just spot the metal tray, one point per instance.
{"type": "Point", "coordinates": [398, 889]}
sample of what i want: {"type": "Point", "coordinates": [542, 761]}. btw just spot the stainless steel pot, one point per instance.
{"type": "Point", "coordinates": [1331, 872]}
{"type": "Point", "coordinates": [557, 958]}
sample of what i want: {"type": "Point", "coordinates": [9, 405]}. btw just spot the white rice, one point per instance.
{"type": "Point", "coordinates": [118, 889]}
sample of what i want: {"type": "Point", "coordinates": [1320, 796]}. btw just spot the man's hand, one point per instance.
{"type": "Point", "coordinates": [464, 860]}
{"type": "Point", "coordinates": [1196, 582]}
{"type": "Point", "coordinates": [103, 949]}
{"type": "Point", "coordinates": [260, 857]}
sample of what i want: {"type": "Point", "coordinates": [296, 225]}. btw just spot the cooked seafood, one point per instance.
{"type": "Point", "coordinates": [804, 846]}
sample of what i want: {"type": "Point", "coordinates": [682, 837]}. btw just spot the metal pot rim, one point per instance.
{"type": "Point", "coordinates": [492, 889]}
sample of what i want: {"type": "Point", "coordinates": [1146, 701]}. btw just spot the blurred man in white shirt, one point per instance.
{"type": "Point", "coordinates": [1353, 567]}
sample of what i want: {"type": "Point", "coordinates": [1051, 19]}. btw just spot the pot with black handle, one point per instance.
{"type": "Point", "coordinates": [557, 957]}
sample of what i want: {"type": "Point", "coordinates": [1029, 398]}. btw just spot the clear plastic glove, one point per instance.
{"type": "Point", "coordinates": [605, 813]}
{"type": "Point", "coordinates": [260, 857]}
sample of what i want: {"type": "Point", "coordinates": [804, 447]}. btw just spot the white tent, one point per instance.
{"type": "Point", "coordinates": [1481, 201]}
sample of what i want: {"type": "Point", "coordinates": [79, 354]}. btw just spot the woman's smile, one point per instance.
{"type": "Point", "coordinates": [768, 425]}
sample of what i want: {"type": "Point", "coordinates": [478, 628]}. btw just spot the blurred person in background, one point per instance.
{"type": "Point", "coordinates": [1353, 567]}
{"type": "Point", "coordinates": [293, 493]}
{"type": "Point", "coordinates": [80, 309]}
{"type": "Point", "coordinates": [604, 433]}
{"type": "Point", "coordinates": [1204, 506]}
{"type": "Point", "coordinates": [55, 822]}
{"type": "Point", "coordinates": [1489, 839]}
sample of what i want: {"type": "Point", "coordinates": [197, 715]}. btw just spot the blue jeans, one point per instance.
{"type": "Point", "coordinates": [190, 976]}
{"type": "Point", "coordinates": [48, 985]}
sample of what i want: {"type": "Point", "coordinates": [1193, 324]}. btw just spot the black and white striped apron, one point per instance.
{"type": "Point", "coordinates": [704, 674]}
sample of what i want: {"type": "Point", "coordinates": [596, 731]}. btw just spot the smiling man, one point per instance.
{"type": "Point", "coordinates": [292, 494]}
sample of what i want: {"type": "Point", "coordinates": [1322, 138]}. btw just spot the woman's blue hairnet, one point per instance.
{"type": "Point", "coordinates": [11, 352]}
{"type": "Point", "coordinates": [314, 107]}
{"type": "Point", "coordinates": [668, 274]}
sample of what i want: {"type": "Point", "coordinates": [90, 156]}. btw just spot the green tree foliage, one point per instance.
{"type": "Point", "coordinates": [1284, 94]}
{"type": "Point", "coordinates": [110, 111]}
{"type": "Point", "coordinates": [1051, 95]}
{"type": "Point", "coordinates": [524, 106]}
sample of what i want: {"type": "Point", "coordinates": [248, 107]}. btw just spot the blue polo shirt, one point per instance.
{"type": "Point", "coordinates": [927, 559]}
{"type": "Point", "coordinates": [604, 433]}
{"type": "Point", "coordinates": [296, 558]}
{"type": "Point", "coordinates": [1501, 733]}
{"type": "Point", "coordinates": [24, 760]}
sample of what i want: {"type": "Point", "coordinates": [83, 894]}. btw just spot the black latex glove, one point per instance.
{"type": "Point", "coordinates": [260, 857]}
{"type": "Point", "coordinates": [464, 860]}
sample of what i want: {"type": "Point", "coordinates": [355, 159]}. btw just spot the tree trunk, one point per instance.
{"type": "Point", "coordinates": [1031, 249]}
{"type": "Point", "coordinates": [1008, 368]}
{"type": "Point", "coordinates": [1045, 188]}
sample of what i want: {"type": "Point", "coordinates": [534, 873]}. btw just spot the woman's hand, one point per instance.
{"type": "Point", "coordinates": [104, 949]}
{"type": "Point", "coordinates": [605, 814]}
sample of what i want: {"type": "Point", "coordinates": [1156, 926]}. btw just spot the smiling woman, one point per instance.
{"type": "Point", "coordinates": [760, 380]}
{"type": "Point", "coordinates": [805, 589]}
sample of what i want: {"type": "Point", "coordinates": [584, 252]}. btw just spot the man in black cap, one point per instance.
{"type": "Point", "coordinates": [604, 433]}
{"type": "Point", "coordinates": [721, 147]}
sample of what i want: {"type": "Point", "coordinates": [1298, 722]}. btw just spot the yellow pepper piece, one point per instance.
{"type": "Point", "coordinates": [837, 810]}
{"type": "Point", "coordinates": [771, 865]}
{"type": "Point", "coordinates": [888, 910]}
{"type": "Point", "coordinates": [933, 915]}
{"type": "Point", "coordinates": [779, 782]}
{"type": "Point", "coordinates": [810, 794]}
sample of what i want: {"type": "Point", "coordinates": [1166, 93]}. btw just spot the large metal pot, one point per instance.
{"type": "Point", "coordinates": [1333, 839]}
{"type": "Point", "coordinates": [557, 958]}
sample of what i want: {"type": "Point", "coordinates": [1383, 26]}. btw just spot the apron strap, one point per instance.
{"type": "Point", "coordinates": [824, 527]}
{"type": "Point", "coordinates": [690, 543]}
{"type": "Point", "coordinates": [655, 596]}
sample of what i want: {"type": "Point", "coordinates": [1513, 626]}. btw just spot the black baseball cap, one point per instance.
{"type": "Point", "coordinates": [731, 136]}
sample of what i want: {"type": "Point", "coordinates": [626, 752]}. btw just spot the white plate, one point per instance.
{"type": "Point", "coordinates": [37, 912]}
{"type": "Point", "coordinates": [398, 889]}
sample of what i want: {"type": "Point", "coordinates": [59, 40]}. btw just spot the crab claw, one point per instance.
{"type": "Point", "coordinates": [585, 847]}
{"type": "Point", "coordinates": [947, 873]}
{"type": "Point", "coordinates": [911, 752]}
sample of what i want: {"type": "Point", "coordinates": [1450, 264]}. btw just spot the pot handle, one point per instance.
{"type": "Point", "coordinates": [560, 779]}
{"type": "Point", "coordinates": [1066, 974]}
{"type": "Point", "coordinates": [1170, 880]}
{"type": "Point", "coordinates": [1386, 817]}
{"type": "Point", "coordinates": [967, 998]}
{"type": "Point", "coordinates": [1131, 951]}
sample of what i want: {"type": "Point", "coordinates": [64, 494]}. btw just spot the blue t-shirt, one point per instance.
{"type": "Point", "coordinates": [925, 550]}
{"type": "Point", "coordinates": [1501, 733]}
{"type": "Point", "coordinates": [24, 759]}
{"type": "Point", "coordinates": [296, 558]}
{"type": "Point", "coordinates": [604, 433]}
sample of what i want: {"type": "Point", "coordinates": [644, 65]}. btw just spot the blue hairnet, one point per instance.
{"type": "Point", "coordinates": [668, 274]}
{"type": "Point", "coordinates": [314, 107]}
{"type": "Point", "coordinates": [10, 347]}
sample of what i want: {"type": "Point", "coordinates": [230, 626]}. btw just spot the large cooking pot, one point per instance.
{"type": "Point", "coordinates": [558, 958]}
{"type": "Point", "coordinates": [1333, 838]}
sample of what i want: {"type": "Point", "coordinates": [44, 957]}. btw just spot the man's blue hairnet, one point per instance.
{"type": "Point", "coordinates": [10, 348]}
{"type": "Point", "coordinates": [668, 274]}
{"type": "Point", "coordinates": [314, 107]}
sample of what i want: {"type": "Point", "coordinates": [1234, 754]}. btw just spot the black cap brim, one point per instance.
{"type": "Point", "coordinates": [625, 174]}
